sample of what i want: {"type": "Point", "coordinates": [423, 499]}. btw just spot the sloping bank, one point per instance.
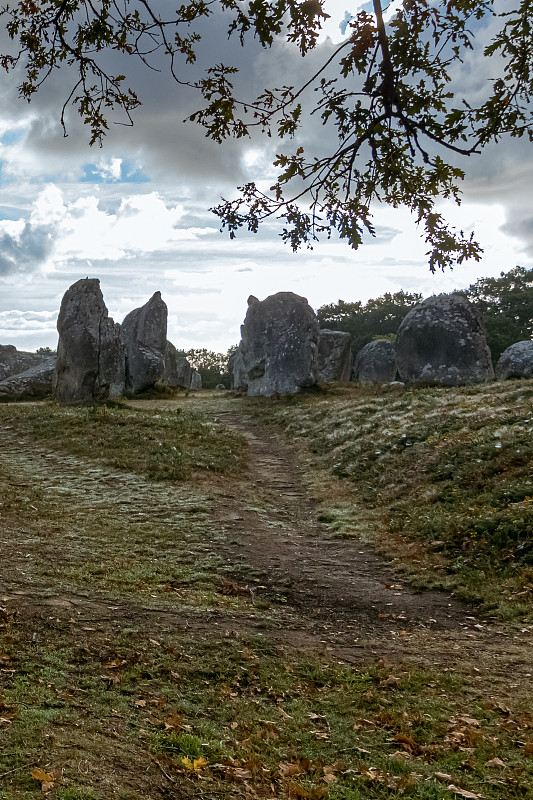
{"type": "Point", "coordinates": [440, 480]}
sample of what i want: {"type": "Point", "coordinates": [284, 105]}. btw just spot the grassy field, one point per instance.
{"type": "Point", "coordinates": [441, 480]}
{"type": "Point", "coordinates": [132, 666]}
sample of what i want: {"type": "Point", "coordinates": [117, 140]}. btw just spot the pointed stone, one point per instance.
{"type": "Point", "coordinates": [144, 332]}
{"type": "Point", "coordinates": [90, 356]}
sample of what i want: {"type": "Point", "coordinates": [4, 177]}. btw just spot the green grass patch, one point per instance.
{"type": "Point", "coordinates": [235, 715]}
{"type": "Point", "coordinates": [161, 445]}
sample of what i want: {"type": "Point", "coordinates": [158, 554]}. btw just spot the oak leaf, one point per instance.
{"type": "Point", "coordinates": [46, 779]}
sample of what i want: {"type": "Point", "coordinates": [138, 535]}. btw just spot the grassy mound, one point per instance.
{"type": "Point", "coordinates": [447, 472]}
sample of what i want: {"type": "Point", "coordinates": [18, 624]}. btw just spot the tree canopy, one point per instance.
{"type": "Point", "coordinates": [380, 317]}
{"type": "Point", "coordinates": [390, 97]}
{"type": "Point", "coordinates": [505, 303]}
{"type": "Point", "coordinates": [213, 367]}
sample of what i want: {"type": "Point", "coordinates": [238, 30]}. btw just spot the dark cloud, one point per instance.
{"type": "Point", "coordinates": [27, 251]}
{"type": "Point", "coordinates": [174, 154]}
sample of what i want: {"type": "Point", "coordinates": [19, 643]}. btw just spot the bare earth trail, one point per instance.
{"type": "Point", "coordinates": [339, 595]}
{"type": "Point", "coordinates": [328, 595]}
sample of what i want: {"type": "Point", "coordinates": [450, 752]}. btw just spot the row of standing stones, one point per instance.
{"type": "Point", "coordinates": [441, 341]}
{"type": "Point", "coordinates": [97, 358]}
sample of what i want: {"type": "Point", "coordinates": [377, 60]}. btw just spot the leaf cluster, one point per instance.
{"type": "Point", "coordinates": [389, 97]}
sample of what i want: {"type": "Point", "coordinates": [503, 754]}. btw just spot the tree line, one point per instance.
{"type": "Point", "coordinates": [505, 303]}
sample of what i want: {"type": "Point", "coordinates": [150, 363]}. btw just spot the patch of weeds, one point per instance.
{"type": "Point", "coordinates": [177, 744]}
{"type": "Point", "coordinates": [76, 793]}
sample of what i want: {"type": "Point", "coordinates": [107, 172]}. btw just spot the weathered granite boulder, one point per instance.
{"type": "Point", "coordinates": [516, 361]}
{"type": "Point", "coordinates": [33, 384]}
{"type": "Point", "coordinates": [177, 371]}
{"type": "Point", "coordinates": [112, 375]}
{"type": "Point", "coordinates": [442, 341]}
{"type": "Point", "coordinates": [237, 371]}
{"type": "Point", "coordinates": [184, 372]}
{"type": "Point", "coordinates": [334, 356]}
{"type": "Point", "coordinates": [144, 332]}
{"type": "Point", "coordinates": [196, 382]}
{"type": "Point", "coordinates": [90, 355]}
{"type": "Point", "coordinates": [13, 361]}
{"type": "Point", "coordinates": [280, 344]}
{"type": "Point", "coordinates": [375, 363]}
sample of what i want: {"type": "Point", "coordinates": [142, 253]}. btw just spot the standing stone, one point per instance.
{"type": "Point", "coordinates": [375, 363]}
{"type": "Point", "coordinates": [90, 356]}
{"type": "Point", "coordinates": [237, 371]}
{"type": "Point", "coordinates": [196, 382]}
{"type": "Point", "coordinates": [144, 331]}
{"type": "Point", "coordinates": [184, 372]}
{"type": "Point", "coordinates": [33, 384]}
{"type": "Point", "coordinates": [442, 341]}
{"type": "Point", "coordinates": [177, 371]}
{"type": "Point", "coordinates": [14, 362]}
{"type": "Point", "coordinates": [280, 344]}
{"type": "Point", "coordinates": [170, 371]}
{"type": "Point", "coordinates": [516, 362]}
{"type": "Point", "coordinates": [334, 356]}
{"type": "Point", "coordinates": [112, 359]}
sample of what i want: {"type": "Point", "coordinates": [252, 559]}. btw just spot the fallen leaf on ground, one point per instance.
{"type": "Point", "coordinates": [174, 723]}
{"type": "Point", "coordinates": [195, 765]}
{"type": "Point", "coordinates": [46, 779]}
{"type": "Point", "coordinates": [443, 777]}
{"type": "Point", "coordinates": [390, 682]}
{"type": "Point", "coordinates": [284, 714]}
{"type": "Point", "coordinates": [495, 762]}
{"type": "Point", "coordinates": [407, 742]}
{"type": "Point", "coordinates": [463, 793]}
{"type": "Point", "coordinates": [469, 720]}
{"type": "Point", "coordinates": [241, 774]}
{"type": "Point", "coordinates": [293, 768]}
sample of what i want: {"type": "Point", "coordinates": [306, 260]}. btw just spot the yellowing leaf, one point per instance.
{"type": "Point", "coordinates": [195, 765]}
{"type": "Point", "coordinates": [45, 778]}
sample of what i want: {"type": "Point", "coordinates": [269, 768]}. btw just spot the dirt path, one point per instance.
{"type": "Point", "coordinates": [346, 596]}
{"type": "Point", "coordinates": [322, 574]}
{"type": "Point", "coordinates": [328, 594]}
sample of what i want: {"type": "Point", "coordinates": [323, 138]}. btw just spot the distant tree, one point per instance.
{"type": "Point", "coordinates": [211, 366]}
{"type": "Point", "coordinates": [45, 351]}
{"type": "Point", "coordinates": [507, 307]}
{"type": "Point", "coordinates": [378, 318]}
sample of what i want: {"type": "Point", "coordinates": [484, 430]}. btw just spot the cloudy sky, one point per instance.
{"type": "Point", "coordinates": [135, 213]}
